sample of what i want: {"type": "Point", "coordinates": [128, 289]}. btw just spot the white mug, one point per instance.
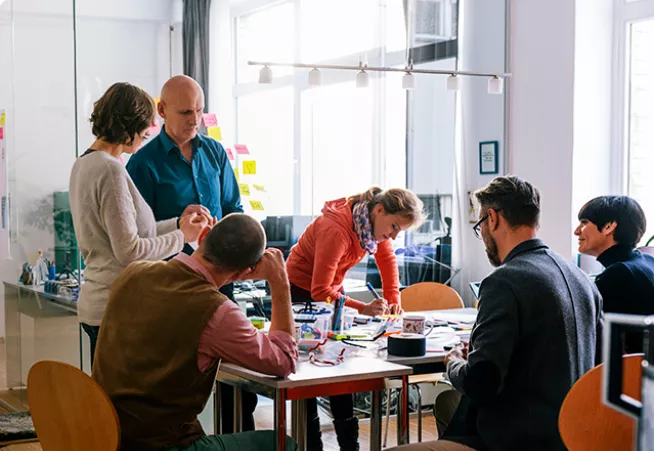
{"type": "Point", "coordinates": [414, 324]}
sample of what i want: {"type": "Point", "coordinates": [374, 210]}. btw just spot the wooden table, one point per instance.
{"type": "Point", "coordinates": [353, 375]}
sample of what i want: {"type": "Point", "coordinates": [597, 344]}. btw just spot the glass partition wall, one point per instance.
{"type": "Point", "coordinates": [57, 57]}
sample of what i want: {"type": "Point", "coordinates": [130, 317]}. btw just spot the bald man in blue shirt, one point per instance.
{"type": "Point", "coordinates": [181, 167]}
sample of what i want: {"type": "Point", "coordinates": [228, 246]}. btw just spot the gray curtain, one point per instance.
{"type": "Point", "coordinates": [195, 36]}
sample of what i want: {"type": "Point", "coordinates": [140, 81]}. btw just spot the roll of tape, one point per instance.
{"type": "Point", "coordinates": [407, 345]}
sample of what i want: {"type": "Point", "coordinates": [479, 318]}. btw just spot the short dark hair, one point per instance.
{"type": "Point", "coordinates": [235, 243]}
{"type": "Point", "coordinates": [623, 210]}
{"type": "Point", "coordinates": [516, 199]}
{"type": "Point", "coordinates": [121, 113]}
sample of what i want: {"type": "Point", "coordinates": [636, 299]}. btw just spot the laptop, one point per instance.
{"type": "Point", "coordinates": [474, 286]}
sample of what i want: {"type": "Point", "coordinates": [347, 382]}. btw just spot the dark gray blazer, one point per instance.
{"type": "Point", "coordinates": [537, 331]}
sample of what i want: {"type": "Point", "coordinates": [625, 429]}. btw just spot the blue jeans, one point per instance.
{"type": "Point", "coordinates": [253, 440]}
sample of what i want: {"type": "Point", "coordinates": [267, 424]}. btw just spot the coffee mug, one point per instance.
{"type": "Point", "coordinates": [415, 324]}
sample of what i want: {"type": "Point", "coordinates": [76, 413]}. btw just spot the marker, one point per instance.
{"type": "Point", "coordinates": [372, 290]}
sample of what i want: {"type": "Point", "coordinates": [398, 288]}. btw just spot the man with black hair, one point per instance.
{"type": "Point", "coordinates": [537, 329]}
{"type": "Point", "coordinates": [609, 229]}
{"type": "Point", "coordinates": [167, 327]}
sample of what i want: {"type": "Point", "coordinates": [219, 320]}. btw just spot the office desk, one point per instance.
{"type": "Point", "coordinates": [39, 326]}
{"type": "Point", "coordinates": [354, 375]}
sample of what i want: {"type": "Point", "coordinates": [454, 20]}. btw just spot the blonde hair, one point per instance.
{"type": "Point", "coordinates": [396, 201]}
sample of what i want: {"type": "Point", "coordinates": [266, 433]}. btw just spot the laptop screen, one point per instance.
{"type": "Point", "coordinates": [474, 286]}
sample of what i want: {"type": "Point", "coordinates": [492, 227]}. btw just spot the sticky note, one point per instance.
{"type": "Point", "coordinates": [244, 188]}
{"type": "Point", "coordinates": [236, 173]}
{"type": "Point", "coordinates": [156, 102]}
{"type": "Point", "coordinates": [2, 133]}
{"type": "Point", "coordinates": [256, 205]}
{"type": "Point", "coordinates": [214, 132]}
{"type": "Point", "coordinates": [2, 120]}
{"type": "Point", "coordinates": [210, 120]}
{"type": "Point", "coordinates": [230, 154]}
{"type": "Point", "coordinates": [259, 188]}
{"type": "Point", "coordinates": [250, 167]}
{"type": "Point", "coordinates": [241, 149]}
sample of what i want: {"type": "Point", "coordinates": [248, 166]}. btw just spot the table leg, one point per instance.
{"type": "Point", "coordinates": [403, 413]}
{"type": "Point", "coordinates": [217, 410]}
{"type": "Point", "coordinates": [238, 408]}
{"type": "Point", "coordinates": [376, 421]}
{"type": "Point", "coordinates": [280, 419]}
{"type": "Point", "coordinates": [299, 423]}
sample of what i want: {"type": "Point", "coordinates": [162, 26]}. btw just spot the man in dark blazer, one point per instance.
{"type": "Point", "coordinates": [537, 331]}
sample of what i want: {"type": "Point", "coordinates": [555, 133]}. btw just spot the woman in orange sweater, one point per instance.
{"type": "Point", "coordinates": [331, 245]}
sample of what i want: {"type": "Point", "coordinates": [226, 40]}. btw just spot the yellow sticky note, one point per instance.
{"type": "Point", "coordinates": [244, 188]}
{"type": "Point", "coordinates": [214, 132]}
{"type": "Point", "coordinates": [2, 120]}
{"type": "Point", "coordinates": [156, 102]}
{"type": "Point", "coordinates": [250, 167]}
{"type": "Point", "coordinates": [236, 173]}
{"type": "Point", "coordinates": [259, 188]}
{"type": "Point", "coordinates": [256, 205]}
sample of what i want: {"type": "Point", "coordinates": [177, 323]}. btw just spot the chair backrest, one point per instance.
{"type": "Point", "coordinates": [585, 422]}
{"type": "Point", "coordinates": [69, 409]}
{"type": "Point", "coordinates": [430, 296]}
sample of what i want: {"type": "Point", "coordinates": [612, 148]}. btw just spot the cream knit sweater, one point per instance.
{"type": "Point", "coordinates": [114, 226]}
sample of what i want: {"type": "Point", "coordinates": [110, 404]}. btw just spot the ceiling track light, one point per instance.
{"type": "Point", "coordinates": [453, 83]}
{"type": "Point", "coordinates": [265, 75]}
{"type": "Point", "coordinates": [315, 77]}
{"type": "Point", "coordinates": [495, 85]}
{"type": "Point", "coordinates": [495, 80]}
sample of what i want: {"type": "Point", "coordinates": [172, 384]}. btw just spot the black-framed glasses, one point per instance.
{"type": "Point", "coordinates": [477, 227]}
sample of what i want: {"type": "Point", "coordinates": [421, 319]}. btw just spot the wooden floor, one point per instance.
{"type": "Point", "coordinates": [16, 400]}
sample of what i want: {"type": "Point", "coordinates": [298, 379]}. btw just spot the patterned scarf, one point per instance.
{"type": "Point", "coordinates": [363, 227]}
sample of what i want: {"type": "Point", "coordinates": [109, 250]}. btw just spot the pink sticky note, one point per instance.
{"type": "Point", "coordinates": [241, 149]}
{"type": "Point", "coordinates": [2, 133]}
{"type": "Point", "coordinates": [230, 154]}
{"type": "Point", "coordinates": [210, 120]}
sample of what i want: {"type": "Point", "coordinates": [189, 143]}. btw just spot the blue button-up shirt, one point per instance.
{"type": "Point", "coordinates": [169, 183]}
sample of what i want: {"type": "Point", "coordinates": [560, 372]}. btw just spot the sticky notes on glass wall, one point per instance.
{"type": "Point", "coordinates": [2, 133]}
{"type": "Point", "coordinates": [236, 173]}
{"type": "Point", "coordinates": [244, 188]}
{"type": "Point", "coordinates": [210, 120]}
{"type": "Point", "coordinates": [230, 154]}
{"type": "Point", "coordinates": [242, 149]}
{"type": "Point", "coordinates": [214, 132]}
{"type": "Point", "coordinates": [2, 120]}
{"type": "Point", "coordinates": [256, 205]}
{"type": "Point", "coordinates": [259, 188]}
{"type": "Point", "coordinates": [156, 102]}
{"type": "Point", "coordinates": [249, 167]}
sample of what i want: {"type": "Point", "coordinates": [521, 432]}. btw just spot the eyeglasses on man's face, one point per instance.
{"type": "Point", "coordinates": [477, 227]}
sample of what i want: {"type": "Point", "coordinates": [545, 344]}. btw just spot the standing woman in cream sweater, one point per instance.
{"type": "Point", "coordinates": [114, 226]}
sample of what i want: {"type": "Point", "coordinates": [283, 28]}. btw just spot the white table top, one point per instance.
{"type": "Point", "coordinates": [357, 368]}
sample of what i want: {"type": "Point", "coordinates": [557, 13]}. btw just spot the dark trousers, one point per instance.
{"type": "Point", "coordinates": [92, 332]}
{"type": "Point", "coordinates": [463, 426]}
{"type": "Point", "coordinates": [227, 408]}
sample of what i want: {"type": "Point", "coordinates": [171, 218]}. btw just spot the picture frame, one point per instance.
{"type": "Point", "coordinates": [488, 157]}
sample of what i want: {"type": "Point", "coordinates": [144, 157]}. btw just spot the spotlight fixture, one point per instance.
{"type": "Point", "coordinates": [453, 83]}
{"type": "Point", "coordinates": [408, 81]}
{"type": "Point", "coordinates": [265, 75]}
{"type": "Point", "coordinates": [495, 85]}
{"type": "Point", "coordinates": [363, 79]}
{"type": "Point", "coordinates": [315, 77]}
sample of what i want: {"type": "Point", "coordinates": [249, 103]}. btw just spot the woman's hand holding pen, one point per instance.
{"type": "Point", "coordinates": [376, 307]}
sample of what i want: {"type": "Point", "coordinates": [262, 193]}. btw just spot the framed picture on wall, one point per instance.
{"type": "Point", "coordinates": [488, 157]}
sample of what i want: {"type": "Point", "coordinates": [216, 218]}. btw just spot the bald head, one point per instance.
{"type": "Point", "coordinates": [235, 243]}
{"type": "Point", "coordinates": [181, 107]}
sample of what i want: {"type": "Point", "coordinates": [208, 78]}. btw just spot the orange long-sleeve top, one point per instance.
{"type": "Point", "coordinates": [329, 248]}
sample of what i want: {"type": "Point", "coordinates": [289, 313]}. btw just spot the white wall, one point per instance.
{"type": "Point", "coordinates": [559, 120]}
{"type": "Point", "coordinates": [541, 110]}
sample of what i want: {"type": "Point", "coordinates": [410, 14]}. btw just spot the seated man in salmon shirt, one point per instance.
{"type": "Point", "coordinates": [167, 327]}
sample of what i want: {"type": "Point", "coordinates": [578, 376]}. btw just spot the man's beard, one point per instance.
{"type": "Point", "coordinates": [492, 251]}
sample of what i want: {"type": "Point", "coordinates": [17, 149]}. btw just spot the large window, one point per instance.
{"type": "Point", "coordinates": [641, 117]}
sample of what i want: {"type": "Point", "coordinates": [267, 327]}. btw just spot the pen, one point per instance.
{"type": "Point", "coordinates": [372, 290]}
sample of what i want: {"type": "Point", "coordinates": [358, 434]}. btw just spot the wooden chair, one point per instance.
{"type": "Point", "coordinates": [69, 409]}
{"type": "Point", "coordinates": [415, 298]}
{"type": "Point", "coordinates": [586, 423]}
{"type": "Point", "coordinates": [429, 296]}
